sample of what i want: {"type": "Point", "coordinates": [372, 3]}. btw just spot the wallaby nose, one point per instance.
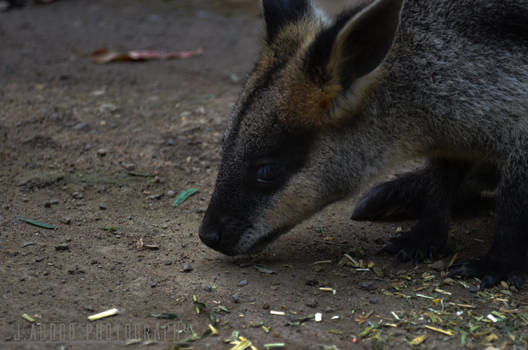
{"type": "Point", "coordinates": [210, 237]}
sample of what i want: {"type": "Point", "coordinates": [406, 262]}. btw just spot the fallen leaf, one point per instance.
{"type": "Point", "coordinates": [105, 55]}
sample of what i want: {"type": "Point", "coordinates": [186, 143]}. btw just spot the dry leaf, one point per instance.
{"type": "Point", "coordinates": [104, 55]}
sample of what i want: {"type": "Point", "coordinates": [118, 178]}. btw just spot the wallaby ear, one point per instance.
{"type": "Point", "coordinates": [278, 13]}
{"type": "Point", "coordinates": [365, 40]}
{"type": "Point", "coordinates": [356, 43]}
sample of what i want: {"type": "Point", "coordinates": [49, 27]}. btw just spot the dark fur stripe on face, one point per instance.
{"type": "Point", "coordinates": [260, 85]}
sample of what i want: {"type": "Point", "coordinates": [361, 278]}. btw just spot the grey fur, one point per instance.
{"type": "Point", "coordinates": [453, 86]}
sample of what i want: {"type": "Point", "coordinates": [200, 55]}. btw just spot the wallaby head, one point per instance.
{"type": "Point", "coordinates": [282, 160]}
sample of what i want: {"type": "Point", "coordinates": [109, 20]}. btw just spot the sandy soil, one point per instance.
{"type": "Point", "coordinates": [86, 146]}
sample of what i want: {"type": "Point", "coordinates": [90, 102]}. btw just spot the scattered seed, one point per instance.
{"type": "Point", "coordinates": [214, 331]}
{"type": "Point", "coordinates": [28, 318]}
{"type": "Point", "coordinates": [104, 314]}
{"type": "Point", "coordinates": [438, 330]}
{"type": "Point", "coordinates": [166, 316]}
{"type": "Point", "coordinates": [491, 338]}
{"type": "Point", "coordinates": [277, 313]}
{"type": "Point", "coordinates": [326, 289]}
{"type": "Point", "coordinates": [419, 340]}
{"type": "Point", "coordinates": [264, 270]}
{"type": "Point", "coordinates": [441, 291]}
{"type": "Point", "coordinates": [187, 267]}
{"type": "Point", "coordinates": [134, 341]}
{"type": "Point", "coordinates": [492, 318]}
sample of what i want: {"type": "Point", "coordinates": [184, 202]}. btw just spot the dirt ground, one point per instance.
{"type": "Point", "coordinates": [99, 152]}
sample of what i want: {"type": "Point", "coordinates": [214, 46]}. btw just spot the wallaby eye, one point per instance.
{"type": "Point", "coordinates": [267, 174]}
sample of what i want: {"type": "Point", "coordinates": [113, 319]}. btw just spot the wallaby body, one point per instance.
{"type": "Point", "coordinates": [331, 104]}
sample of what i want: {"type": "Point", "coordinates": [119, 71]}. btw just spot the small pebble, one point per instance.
{"type": "Point", "coordinates": [367, 285]}
{"type": "Point", "coordinates": [373, 300]}
{"type": "Point", "coordinates": [242, 283]}
{"type": "Point", "coordinates": [187, 267]}
{"type": "Point", "coordinates": [379, 241]}
{"type": "Point", "coordinates": [153, 284]}
{"type": "Point", "coordinates": [208, 288]}
{"type": "Point", "coordinates": [77, 195]}
{"type": "Point", "coordinates": [152, 246]}
{"type": "Point", "coordinates": [266, 306]}
{"type": "Point", "coordinates": [171, 193]}
{"type": "Point", "coordinates": [27, 244]}
{"type": "Point", "coordinates": [171, 142]}
{"type": "Point", "coordinates": [155, 196]}
{"type": "Point", "coordinates": [66, 220]}
{"type": "Point", "coordinates": [88, 308]}
{"type": "Point", "coordinates": [128, 166]}
{"type": "Point", "coordinates": [51, 202]}
{"type": "Point", "coordinates": [312, 303]}
{"type": "Point", "coordinates": [236, 298]}
{"type": "Point", "coordinates": [329, 309]}
{"type": "Point", "coordinates": [474, 289]}
{"type": "Point", "coordinates": [62, 247]}
{"type": "Point", "coordinates": [102, 206]}
{"type": "Point", "coordinates": [168, 262]}
{"type": "Point", "coordinates": [101, 152]}
{"type": "Point", "coordinates": [81, 126]}
{"type": "Point", "coordinates": [439, 265]}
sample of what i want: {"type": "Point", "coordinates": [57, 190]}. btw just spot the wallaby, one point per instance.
{"type": "Point", "coordinates": [333, 104]}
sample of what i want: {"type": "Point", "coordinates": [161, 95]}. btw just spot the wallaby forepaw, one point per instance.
{"type": "Point", "coordinates": [389, 200]}
{"type": "Point", "coordinates": [490, 272]}
{"type": "Point", "coordinates": [412, 246]}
